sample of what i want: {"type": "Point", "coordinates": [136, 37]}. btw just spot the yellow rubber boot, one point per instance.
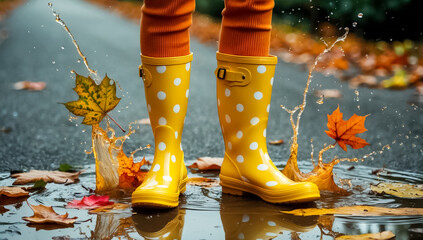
{"type": "Point", "coordinates": [244, 88]}
{"type": "Point", "coordinates": [166, 85]}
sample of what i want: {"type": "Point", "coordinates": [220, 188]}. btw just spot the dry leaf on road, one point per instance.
{"type": "Point", "coordinates": [401, 190]}
{"type": "Point", "coordinates": [276, 142]}
{"type": "Point", "coordinates": [47, 176]}
{"type": "Point", "coordinates": [364, 80]}
{"type": "Point", "coordinates": [13, 191]}
{"type": "Point", "coordinates": [43, 214]}
{"type": "Point", "coordinates": [143, 121]}
{"type": "Point", "coordinates": [207, 163]}
{"type": "Point", "coordinates": [369, 236]}
{"type": "Point", "coordinates": [328, 93]}
{"type": "Point", "coordinates": [91, 202]}
{"type": "Point", "coordinates": [27, 85]}
{"type": "Point", "coordinates": [203, 182]}
{"type": "Point", "coordinates": [357, 211]}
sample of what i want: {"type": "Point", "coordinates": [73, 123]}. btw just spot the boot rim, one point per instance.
{"type": "Point", "coordinates": [166, 61]}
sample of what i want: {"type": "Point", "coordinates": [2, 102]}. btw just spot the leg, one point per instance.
{"type": "Point", "coordinates": [166, 65]}
{"type": "Point", "coordinates": [244, 87]}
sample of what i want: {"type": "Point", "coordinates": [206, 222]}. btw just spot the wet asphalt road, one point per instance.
{"type": "Point", "coordinates": [42, 137]}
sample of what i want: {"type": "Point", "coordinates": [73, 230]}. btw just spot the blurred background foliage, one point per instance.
{"type": "Point", "coordinates": [373, 19]}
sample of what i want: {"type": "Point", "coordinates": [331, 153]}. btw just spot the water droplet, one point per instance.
{"type": "Point", "coordinates": [320, 100]}
{"type": "Point", "coordinates": [15, 114]}
{"type": "Point", "coordinates": [360, 15]}
{"type": "Point", "coordinates": [53, 62]}
{"type": "Point", "coordinates": [50, 4]}
{"type": "Point", "coordinates": [78, 61]}
{"type": "Point", "coordinates": [354, 24]}
{"type": "Point", "coordinates": [84, 130]}
{"type": "Point", "coordinates": [62, 47]}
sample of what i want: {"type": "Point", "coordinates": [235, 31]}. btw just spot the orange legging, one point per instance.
{"type": "Point", "coordinates": [245, 30]}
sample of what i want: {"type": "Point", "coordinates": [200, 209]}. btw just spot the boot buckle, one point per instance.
{"type": "Point", "coordinates": [145, 75]}
{"type": "Point", "coordinates": [238, 76]}
{"type": "Point", "coordinates": [221, 73]}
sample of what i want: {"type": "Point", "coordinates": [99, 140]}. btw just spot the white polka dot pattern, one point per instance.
{"type": "Point", "coordinates": [253, 146]}
{"type": "Point", "coordinates": [262, 167]}
{"type": "Point", "coordinates": [162, 146]}
{"type": "Point", "coordinates": [162, 121]}
{"type": "Point", "coordinates": [254, 120]}
{"type": "Point", "coordinates": [258, 95]}
{"type": "Point", "coordinates": [177, 81]}
{"type": "Point", "coordinates": [261, 69]}
{"type": "Point", "coordinates": [161, 95]}
{"type": "Point", "coordinates": [161, 69]}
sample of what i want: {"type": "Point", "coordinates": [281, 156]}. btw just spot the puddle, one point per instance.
{"type": "Point", "coordinates": [206, 213]}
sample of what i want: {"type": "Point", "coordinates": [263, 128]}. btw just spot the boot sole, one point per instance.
{"type": "Point", "coordinates": [289, 195]}
{"type": "Point", "coordinates": [154, 200]}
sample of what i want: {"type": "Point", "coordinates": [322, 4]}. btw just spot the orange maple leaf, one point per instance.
{"type": "Point", "coordinates": [344, 131]}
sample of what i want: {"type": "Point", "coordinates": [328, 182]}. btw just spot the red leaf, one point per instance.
{"type": "Point", "coordinates": [91, 202]}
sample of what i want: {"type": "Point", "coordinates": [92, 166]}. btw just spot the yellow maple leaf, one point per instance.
{"type": "Point", "coordinates": [95, 101]}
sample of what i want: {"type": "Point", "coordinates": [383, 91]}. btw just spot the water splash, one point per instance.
{"type": "Point", "coordinates": [93, 73]}
{"type": "Point", "coordinates": [113, 168]}
{"type": "Point", "coordinates": [322, 173]}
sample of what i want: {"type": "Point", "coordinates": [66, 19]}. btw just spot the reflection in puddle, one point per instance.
{"type": "Point", "coordinates": [242, 221]}
{"type": "Point", "coordinates": [162, 225]}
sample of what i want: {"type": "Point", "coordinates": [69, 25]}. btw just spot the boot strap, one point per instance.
{"type": "Point", "coordinates": [145, 75]}
{"type": "Point", "coordinates": [233, 77]}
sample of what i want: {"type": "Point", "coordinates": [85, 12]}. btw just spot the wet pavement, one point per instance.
{"type": "Point", "coordinates": [42, 137]}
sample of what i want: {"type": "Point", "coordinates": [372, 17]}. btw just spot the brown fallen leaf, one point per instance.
{"type": "Point", "coordinates": [28, 85]}
{"type": "Point", "coordinates": [276, 142]}
{"type": "Point", "coordinates": [357, 211]}
{"type": "Point", "coordinates": [13, 191]}
{"type": "Point", "coordinates": [203, 182]}
{"type": "Point", "coordinates": [369, 236]}
{"type": "Point", "coordinates": [47, 176]}
{"type": "Point", "coordinates": [328, 93]}
{"type": "Point", "coordinates": [364, 80]}
{"type": "Point", "coordinates": [115, 206]}
{"type": "Point", "coordinates": [401, 190]}
{"type": "Point", "coordinates": [43, 214]}
{"type": "Point", "coordinates": [3, 210]}
{"type": "Point", "coordinates": [207, 163]}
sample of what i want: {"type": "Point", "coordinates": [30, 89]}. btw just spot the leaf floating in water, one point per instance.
{"type": "Point", "coordinates": [47, 176]}
{"type": "Point", "coordinates": [39, 185]}
{"type": "Point", "coordinates": [386, 235]}
{"type": "Point", "coordinates": [203, 182]}
{"type": "Point", "coordinates": [13, 191]}
{"type": "Point", "coordinates": [344, 131]}
{"type": "Point", "coordinates": [114, 206]}
{"type": "Point", "coordinates": [357, 211]}
{"type": "Point", "coordinates": [91, 202]}
{"type": "Point", "coordinates": [397, 189]}
{"type": "Point", "coordinates": [43, 214]}
{"type": "Point", "coordinates": [64, 167]}
{"type": "Point", "coordinates": [207, 163]}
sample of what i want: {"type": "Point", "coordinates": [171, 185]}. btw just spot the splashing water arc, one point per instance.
{"type": "Point", "coordinates": [114, 169]}
{"type": "Point", "coordinates": [322, 174]}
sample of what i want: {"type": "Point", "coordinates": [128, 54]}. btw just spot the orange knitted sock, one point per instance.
{"type": "Point", "coordinates": [246, 26]}
{"type": "Point", "coordinates": [164, 27]}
